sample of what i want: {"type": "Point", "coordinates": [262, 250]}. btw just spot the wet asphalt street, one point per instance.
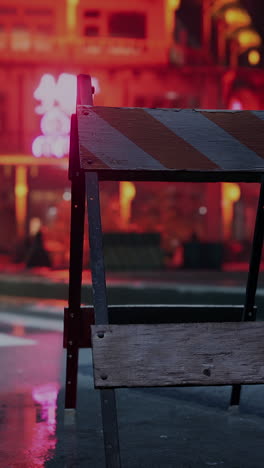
{"type": "Point", "coordinates": [159, 428]}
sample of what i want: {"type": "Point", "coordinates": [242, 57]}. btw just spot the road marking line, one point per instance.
{"type": "Point", "coordinates": [9, 340]}
{"type": "Point", "coordinates": [40, 309]}
{"type": "Point", "coordinates": [32, 322]}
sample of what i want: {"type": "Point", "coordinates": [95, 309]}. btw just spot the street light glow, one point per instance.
{"type": "Point", "coordinates": [254, 57]}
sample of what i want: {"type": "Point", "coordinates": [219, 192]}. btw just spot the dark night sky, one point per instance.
{"type": "Point", "coordinates": [256, 9]}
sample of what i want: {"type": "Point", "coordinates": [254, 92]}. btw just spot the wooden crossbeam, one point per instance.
{"type": "Point", "coordinates": [178, 354]}
{"type": "Point", "coordinates": [148, 313]}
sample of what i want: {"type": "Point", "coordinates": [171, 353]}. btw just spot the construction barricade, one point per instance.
{"type": "Point", "coordinates": [159, 345]}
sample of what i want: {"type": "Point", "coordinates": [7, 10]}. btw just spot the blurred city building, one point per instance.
{"type": "Point", "coordinates": [148, 53]}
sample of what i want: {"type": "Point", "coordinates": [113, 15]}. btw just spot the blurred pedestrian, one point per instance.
{"type": "Point", "coordinates": [38, 255]}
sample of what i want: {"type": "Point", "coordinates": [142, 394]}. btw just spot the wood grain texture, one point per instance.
{"type": "Point", "coordinates": [178, 354]}
{"type": "Point", "coordinates": [156, 140]}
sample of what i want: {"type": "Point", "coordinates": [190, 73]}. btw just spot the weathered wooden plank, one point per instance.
{"type": "Point", "coordinates": [184, 354]}
{"type": "Point", "coordinates": [157, 140]}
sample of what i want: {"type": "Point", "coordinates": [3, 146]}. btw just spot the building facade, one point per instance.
{"type": "Point", "coordinates": [160, 53]}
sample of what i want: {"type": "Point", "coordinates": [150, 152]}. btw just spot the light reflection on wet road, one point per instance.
{"type": "Point", "coordinates": [157, 426]}
{"type": "Point", "coordinates": [31, 359]}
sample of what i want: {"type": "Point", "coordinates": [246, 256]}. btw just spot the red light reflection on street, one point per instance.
{"type": "Point", "coordinates": [28, 400]}
{"type": "Point", "coordinates": [46, 396]}
{"type": "Point", "coordinates": [28, 427]}
{"type": "Point", "coordinates": [44, 439]}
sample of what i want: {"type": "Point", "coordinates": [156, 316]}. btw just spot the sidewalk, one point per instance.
{"type": "Point", "coordinates": [168, 287]}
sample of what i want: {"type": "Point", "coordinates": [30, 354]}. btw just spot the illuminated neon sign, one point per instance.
{"type": "Point", "coordinates": [57, 103]}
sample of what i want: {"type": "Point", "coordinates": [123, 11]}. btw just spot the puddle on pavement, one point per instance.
{"type": "Point", "coordinates": [28, 427]}
{"type": "Point", "coordinates": [31, 360]}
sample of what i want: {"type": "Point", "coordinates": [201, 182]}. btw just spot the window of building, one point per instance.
{"type": "Point", "coordinates": [39, 11]}
{"type": "Point", "coordinates": [2, 37]}
{"type": "Point", "coordinates": [20, 37]}
{"type": "Point", "coordinates": [45, 29]}
{"type": "Point", "coordinates": [127, 24]}
{"type": "Point", "coordinates": [91, 31]}
{"type": "Point", "coordinates": [19, 27]}
{"type": "Point", "coordinates": [91, 13]}
{"type": "Point", "coordinates": [41, 41]}
{"type": "Point", "coordinates": [2, 113]}
{"type": "Point", "coordinates": [7, 10]}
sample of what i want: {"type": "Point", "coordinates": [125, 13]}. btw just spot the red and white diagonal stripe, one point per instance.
{"type": "Point", "coordinates": [170, 139]}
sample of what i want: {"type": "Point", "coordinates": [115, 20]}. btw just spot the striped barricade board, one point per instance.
{"type": "Point", "coordinates": [176, 144]}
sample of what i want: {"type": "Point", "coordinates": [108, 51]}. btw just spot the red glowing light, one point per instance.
{"type": "Point", "coordinates": [58, 100]}
{"type": "Point", "coordinates": [236, 105]}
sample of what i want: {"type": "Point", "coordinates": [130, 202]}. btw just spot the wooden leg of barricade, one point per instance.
{"type": "Point", "coordinates": [75, 281]}
{"type": "Point", "coordinates": [108, 401]}
{"type": "Point", "coordinates": [252, 281]}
